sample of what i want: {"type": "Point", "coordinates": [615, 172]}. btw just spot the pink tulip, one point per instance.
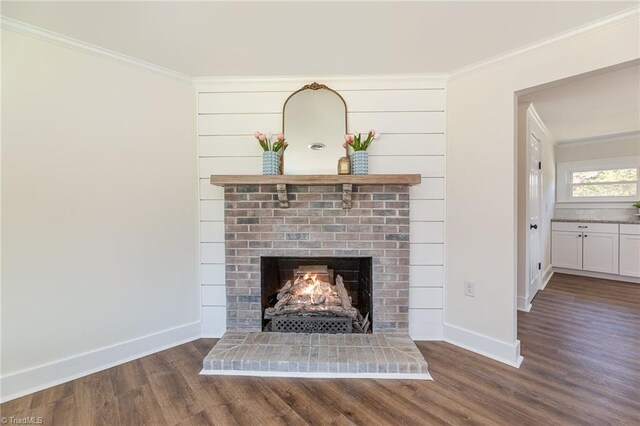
{"type": "Point", "coordinates": [344, 145]}
{"type": "Point", "coordinates": [261, 137]}
{"type": "Point", "coordinates": [280, 137]}
{"type": "Point", "coordinates": [257, 135]}
{"type": "Point", "coordinates": [348, 139]}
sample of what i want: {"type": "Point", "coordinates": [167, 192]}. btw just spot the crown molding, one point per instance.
{"type": "Point", "coordinates": [81, 46]}
{"type": "Point", "coordinates": [600, 138]}
{"type": "Point", "coordinates": [610, 21]}
{"type": "Point", "coordinates": [435, 81]}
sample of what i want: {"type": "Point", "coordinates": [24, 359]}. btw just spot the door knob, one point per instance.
{"type": "Point", "coordinates": [533, 226]}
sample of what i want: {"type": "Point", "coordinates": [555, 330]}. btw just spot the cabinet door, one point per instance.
{"type": "Point", "coordinates": [566, 249]}
{"type": "Point", "coordinates": [630, 255]}
{"type": "Point", "coordinates": [600, 253]}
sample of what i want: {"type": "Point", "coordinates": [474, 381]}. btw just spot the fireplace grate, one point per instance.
{"type": "Point", "coordinates": [300, 324]}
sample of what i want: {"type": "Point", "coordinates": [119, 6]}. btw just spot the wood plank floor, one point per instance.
{"type": "Point", "coordinates": [581, 343]}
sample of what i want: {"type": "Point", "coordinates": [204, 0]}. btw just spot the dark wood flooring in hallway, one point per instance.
{"type": "Point", "coordinates": [581, 343]}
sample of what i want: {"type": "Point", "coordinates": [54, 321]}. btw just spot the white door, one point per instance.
{"type": "Point", "coordinates": [630, 255]}
{"type": "Point", "coordinates": [566, 249]}
{"type": "Point", "coordinates": [535, 187]}
{"type": "Point", "coordinates": [600, 253]}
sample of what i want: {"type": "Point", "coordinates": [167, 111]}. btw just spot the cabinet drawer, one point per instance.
{"type": "Point", "coordinates": [629, 229]}
{"type": "Point", "coordinates": [605, 228]}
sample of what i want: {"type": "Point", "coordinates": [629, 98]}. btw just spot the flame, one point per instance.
{"type": "Point", "coordinates": [311, 288]}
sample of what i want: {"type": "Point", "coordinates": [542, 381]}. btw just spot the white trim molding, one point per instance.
{"type": "Point", "coordinates": [81, 46]}
{"type": "Point", "coordinates": [507, 353]}
{"type": "Point", "coordinates": [434, 81]}
{"type": "Point", "coordinates": [44, 376]}
{"type": "Point", "coordinates": [523, 304]}
{"type": "Point", "coordinates": [601, 275]}
{"type": "Point", "coordinates": [564, 170]}
{"type": "Point", "coordinates": [610, 21]}
{"type": "Point", "coordinates": [543, 127]}
{"type": "Point", "coordinates": [546, 277]}
{"type": "Point", "coordinates": [432, 333]}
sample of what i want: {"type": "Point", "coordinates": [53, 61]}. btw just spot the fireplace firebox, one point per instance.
{"type": "Point", "coordinates": [316, 294]}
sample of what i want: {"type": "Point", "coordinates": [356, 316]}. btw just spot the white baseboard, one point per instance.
{"type": "Point", "coordinates": [508, 353]}
{"type": "Point", "coordinates": [597, 275]}
{"type": "Point", "coordinates": [546, 277]}
{"type": "Point", "coordinates": [434, 332]}
{"type": "Point", "coordinates": [523, 304]}
{"type": "Point", "coordinates": [44, 376]}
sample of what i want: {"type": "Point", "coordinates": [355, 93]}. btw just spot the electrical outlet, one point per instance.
{"type": "Point", "coordinates": [470, 288]}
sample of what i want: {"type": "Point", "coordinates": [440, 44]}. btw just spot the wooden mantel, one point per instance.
{"type": "Point", "coordinates": [224, 180]}
{"type": "Point", "coordinates": [347, 182]}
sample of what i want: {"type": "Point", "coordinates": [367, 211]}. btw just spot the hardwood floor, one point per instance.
{"type": "Point", "coordinates": [581, 343]}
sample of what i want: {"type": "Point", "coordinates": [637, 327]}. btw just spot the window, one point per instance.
{"type": "Point", "coordinates": [615, 179]}
{"type": "Point", "coordinates": [605, 183]}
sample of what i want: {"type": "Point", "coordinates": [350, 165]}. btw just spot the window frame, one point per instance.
{"type": "Point", "coordinates": [565, 170]}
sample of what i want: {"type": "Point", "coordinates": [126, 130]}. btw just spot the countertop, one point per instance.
{"type": "Point", "coordinates": [622, 221]}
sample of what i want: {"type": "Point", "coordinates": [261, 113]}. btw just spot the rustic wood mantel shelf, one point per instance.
{"type": "Point", "coordinates": [347, 182]}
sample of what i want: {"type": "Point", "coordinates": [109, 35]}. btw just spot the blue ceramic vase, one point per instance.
{"type": "Point", "coordinates": [360, 163]}
{"type": "Point", "coordinates": [270, 163]}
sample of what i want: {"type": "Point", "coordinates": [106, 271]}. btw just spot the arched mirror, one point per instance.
{"type": "Point", "coordinates": [314, 121]}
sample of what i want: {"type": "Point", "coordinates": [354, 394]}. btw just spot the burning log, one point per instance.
{"type": "Point", "coordinates": [284, 290]}
{"type": "Point", "coordinates": [282, 302]}
{"type": "Point", "coordinates": [345, 300]}
{"type": "Point", "coordinates": [309, 295]}
{"type": "Point", "coordinates": [313, 310]}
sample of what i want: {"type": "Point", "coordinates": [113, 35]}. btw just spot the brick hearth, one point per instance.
{"type": "Point", "coordinates": [316, 225]}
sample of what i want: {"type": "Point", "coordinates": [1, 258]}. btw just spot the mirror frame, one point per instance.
{"type": "Point", "coordinates": [314, 86]}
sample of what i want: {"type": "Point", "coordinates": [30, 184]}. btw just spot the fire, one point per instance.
{"type": "Point", "coordinates": [312, 287]}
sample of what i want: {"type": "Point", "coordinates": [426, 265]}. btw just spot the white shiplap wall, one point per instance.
{"type": "Point", "coordinates": [410, 114]}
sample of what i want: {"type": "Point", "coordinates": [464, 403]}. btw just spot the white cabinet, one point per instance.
{"type": "Point", "coordinates": [585, 246]}
{"type": "Point", "coordinates": [566, 249]}
{"type": "Point", "coordinates": [600, 253]}
{"type": "Point", "coordinates": [630, 250]}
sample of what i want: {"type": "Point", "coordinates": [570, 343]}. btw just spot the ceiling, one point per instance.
{"type": "Point", "coordinates": [607, 104]}
{"type": "Point", "coordinates": [310, 38]}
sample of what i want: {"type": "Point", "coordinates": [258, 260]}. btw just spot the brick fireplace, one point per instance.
{"type": "Point", "coordinates": [354, 232]}
{"type": "Point", "coordinates": [315, 225]}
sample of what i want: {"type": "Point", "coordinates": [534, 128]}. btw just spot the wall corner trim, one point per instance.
{"type": "Point", "coordinates": [591, 27]}
{"type": "Point", "coordinates": [546, 277]}
{"type": "Point", "coordinates": [84, 47]}
{"type": "Point", "coordinates": [44, 376]}
{"type": "Point", "coordinates": [507, 353]}
{"type": "Point", "coordinates": [523, 305]}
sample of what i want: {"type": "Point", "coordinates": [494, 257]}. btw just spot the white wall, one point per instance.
{"type": "Point", "coordinates": [601, 148]}
{"type": "Point", "coordinates": [481, 179]}
{"type": "Point", "coordinates": [99, 213]}
{"type": "Point", "coordinates": [530, 122]}
{"type": "Point", "coordinates": [410, 114]}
